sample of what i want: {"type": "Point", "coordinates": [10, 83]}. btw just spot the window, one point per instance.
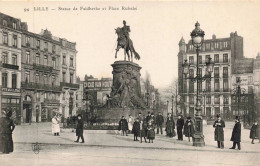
{"type": "Point", "coordinates": [5, 38]}
{"type": "Point", "coordinates": [250, 89]}
{"type": "Point", "coordinates": [225, 44]}
{"type": "Point", "coordinates": [216, 58]}
{"type": "Point", "coordinates": [53, 80]}
{"type": "Point", "coordinates": [53, 48]}
{"type": "Point", "coordinates": [71, 62]}
{"type": "Point", "coordinates": [45, 95]}
{"type": "Point", "coordinates": [14, 59]}
{"type": "Point", "coordinates": [216, 45]}
{"type": "Point", "coordinates": [191, 60]}
{"type": "Point", "coordinates": [250, 79]}
{"type": "Point", "coordinates": [4, 80]}
{"type": "Point", "coordinates": [200, 59]}
{"type": "Point", "coordinates": [200, 72]}
{"type": "Point", "coordinates": [4, 57]}
{"type": "Point", "coordinates": [46, 45]}
{"type": "Point", "coordinates": [217, 99]}
{"type": "Point", "coordinates": [64, 60]}
{"type": "Point", "coordinates": [37, 58]}
{"type": "Point", "coordinates": [185, 87]}
{"type": "Point", "coordinates": [27, 57]}
{"type": "Point", "coordinates": [27, 40]}
{"type": "Point", "coordinates": [216, 72]}
{"type": "Point", "coordinates": [225, 85]}
{"type": "Point", "coordinates": [64, 76]}
{"type": "Point", "coordinates": [14, 81]}
{"type": "Point", "coordinates": [27, 77]}
{"type": "Point", "coordinates": [208, 100]}
{"type": "Point", "coordinates": [38, 43]}
{"type": "Point", "coordinates": [14, 25]}
{"type": "Point", "coordinates": [208, 46]}
{"type": "Point", "coordinates": [54, 63]}
{"type": "Point", "coordinates": [191, 99]}
{"type": "Point", "coordinates": [14, 41]}
{"type": "Point", "coordinates": [216, 85]}
{"type": "Point", "coordinates": [207, 58]}
{"type": "Point", "coordinates": [45, 79]}
{"type": "Point", "coordinates": [226, 99]}
{"type": "Point", "coordinates": [225, 72]}
{"type": "Point", "coordinates": [191, 73]}
{"type": "Point", "coordinates": [45, 60]}
{"type": "Point", "coordinates": [208, 85]}
{"type": "Point", "coordinates": [71, 78]}
{"type": "Point", "coordinates": [37, 78]}
{"type": "Point", "coordinates": [225, 57]}
{"type": "Point", "coordinates": [4, 23]}
{"type": "Point", "coordinates": [191, 47]}
{"type": "Point", "coordinates": [191, 87]}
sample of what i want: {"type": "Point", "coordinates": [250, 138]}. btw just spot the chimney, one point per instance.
{"type": "Point", "coordinates": [213, 36]}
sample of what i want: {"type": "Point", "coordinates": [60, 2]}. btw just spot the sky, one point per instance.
{"type": "Point", "coordinates": [156, 28]}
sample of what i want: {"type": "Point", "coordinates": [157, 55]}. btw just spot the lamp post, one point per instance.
{"type": "Point", "coordinates": [167, 106]}
{"type": "Point", "coordinates": [172, 104]}
{"type": "Point", "coordinates": [197, 38]}
{"type": "Point", "coordinates": [238, 93]}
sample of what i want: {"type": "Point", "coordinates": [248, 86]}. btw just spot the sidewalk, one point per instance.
{"type": "Point", "coordinates": [41, 133]}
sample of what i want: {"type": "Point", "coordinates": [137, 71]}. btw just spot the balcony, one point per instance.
{"type": "Point", "coordinates": [42, 67]}
{"type": "Point", "coordinates": [37, 86]}
{"type": "Point", "coordinates": [11, 90]}
{"type": "Point", "coordinates": [69, 85]}
{"type": "Point", "coordinates": [51, 101]}
{"type": "Point", "coordinates": [9, 66]}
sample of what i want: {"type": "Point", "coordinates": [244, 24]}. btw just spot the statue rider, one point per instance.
{"type": "Point", "coordinates": [126, 30]}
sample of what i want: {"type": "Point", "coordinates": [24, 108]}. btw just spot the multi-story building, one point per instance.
{"type": "Point", "coordinates": [40, 76]}
{"type": "Point", "coordinates": [38, 72]}
{"type": "Point", "coordinates": [10, 51]}
{"type": "Point", "coordinates": [215, 93]}
{"type": "Point", "coordinates": [97, 91]}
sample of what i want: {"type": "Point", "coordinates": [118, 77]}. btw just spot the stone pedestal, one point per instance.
{"type": "Point", "coordinates": [126, 89]}
{"type": "Point", "coordinates": [198, 139]}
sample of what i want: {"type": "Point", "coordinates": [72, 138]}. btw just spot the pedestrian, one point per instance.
{"type": "Point", "coordinates": [123, 126]}
{"type": "Point", "coordinates": [180, 124]}
{"type": "Point", "coordinates": [136, 129]}
{"type": "Point", "coordinates": [143, 130]}
{"type": "Point", "coordinates": [79, 129]}
{"type": "Point", "coordinates": [159, 122]}
{"type": "Point", "coordinates": [6, 129]}
{"type": "Point", "coordinates": [130, 124]}
{"type": "Point", "coordinates": [55, 125]}
{"type": "Point", "coordinates": [189, 128]}
{"type": "Point", "coordinates": [148, 117]}
{"type": "Point", "coordinates": [219, 124]}
{"type": "Point", "coordinates": [150, 131]}
{"type": "Point", "coordinates": [236, 134]}
{"type": "Point", "coordinates": [253, 131]}
{"type": "Point", "coordinates": [170, 126]}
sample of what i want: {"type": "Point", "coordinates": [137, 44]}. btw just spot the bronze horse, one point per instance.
{"type": "Point", "coordinates": [127, 46]}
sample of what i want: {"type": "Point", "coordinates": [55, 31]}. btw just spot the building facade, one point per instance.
{"type": "Point", "coordinates": [10, 74]}
{"type": "Point", "coordinates": [38, 72]}
{"type": "Point", "coordinates": [215, 94]}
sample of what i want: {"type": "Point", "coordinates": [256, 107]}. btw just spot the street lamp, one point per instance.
{"type": "Point", "coordinates": [172, 104]}
{"type": "Point", "coordinates": [167, 106]}
{"type": "Point", "coordinates": [238, 93]}
{"type": "Point", "coordinates": [197, 38]}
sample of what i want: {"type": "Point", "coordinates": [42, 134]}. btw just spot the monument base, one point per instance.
{"type": "Point", "coordinates": [198, 139]}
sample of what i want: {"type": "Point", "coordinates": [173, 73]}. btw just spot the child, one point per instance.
{"type": "Point", "coordinates": [150, 131]}
{"type": "Point", "coordinates": [136, 129]}
{"type": "Point", "coordinates": [253, 132]}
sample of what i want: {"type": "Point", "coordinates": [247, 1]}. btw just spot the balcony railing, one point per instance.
{"type": "Point", "coordinates": [42, 67]}
{"type": "Point", "coordinates": [32, 85]}
{"type": "Point", "coordinates": [51, 101]}
{"type": "Point", "coordinates": [69, 85]}
{"type": "Point", "coordinates": [9, 66]}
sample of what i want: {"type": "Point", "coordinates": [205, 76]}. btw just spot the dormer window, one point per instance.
{"type": "Point", "coordinates": [4, 23]}
{"type": "Point", "coordinates": [14, 25]}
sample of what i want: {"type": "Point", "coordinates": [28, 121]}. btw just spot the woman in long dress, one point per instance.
{"type": "Point", "coordinates": [55, 125]}
{"type": "Point", "coordinates": [6, 128]}
{"type": "Point", "coordinates": [130, 124]}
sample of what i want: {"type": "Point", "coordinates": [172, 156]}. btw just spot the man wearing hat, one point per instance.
{"type": "Point", "coordinates": [189, 128]}
{"type": "Point", "coordinates": [148, 117]}
{"type": "Point", "coordinates": [79, 129]}
{"type": "Point", "coordinates": [236, 134]}
{"type": "Point", "coordinates": [219, 124]}
{"type": "Point", "coordinates": [180, 124]}
{"type": "Point", "coordinates": [123, 126]}
{"type": "Point", "coordinates": [159, 122]}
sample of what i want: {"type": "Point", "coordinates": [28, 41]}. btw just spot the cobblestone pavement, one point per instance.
{"type": "Point", "coordinates": [110, 148]}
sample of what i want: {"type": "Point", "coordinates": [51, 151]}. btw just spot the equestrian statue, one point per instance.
{"type": "Point", "coordinates": [123, 41]}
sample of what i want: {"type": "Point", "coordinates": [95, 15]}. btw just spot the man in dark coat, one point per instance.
{"type": "Point", "coordinates": [170, 126]}
{"type": "Point", "coordinates": [253, 132]}
{"type": "Point", "coordinates": [123, 126]}
{"type": "Point", "coordinates": [79, 129]}
{"type": "Point", "coordinates": [236, 134]}
{"type": "Point", "coordinates": [159, 122]}
{"type": "Point", "coordinates": [189, 128]}
{"type": "Point", "coordinates": [219, 132]}
{"type": "Point", "coordinates": [136, 129]}
{"type": "Point", "coordinates": [6, 128]}
{"type": "Point", "coordinates": [180, 124]}
{"type": "Point", "coordinates": [148, 117]}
